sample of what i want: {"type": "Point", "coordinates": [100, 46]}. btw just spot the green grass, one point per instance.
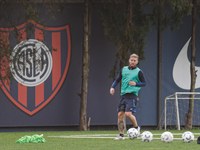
{"type": "Point", "coordinates": [7, 141]}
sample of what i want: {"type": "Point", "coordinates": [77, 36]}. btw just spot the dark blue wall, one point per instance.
{"type": "Point", "coordinates": [63, 109]}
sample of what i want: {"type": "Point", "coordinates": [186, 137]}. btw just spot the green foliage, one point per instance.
{"type": "Point", "coordinates": [128, 35]}
{"type": "Point", "coordinates": [54, 7]}
{"type": "Point", "coordinates": [172, 12]}
{"type": "Point", "coordinates": [11, 14]}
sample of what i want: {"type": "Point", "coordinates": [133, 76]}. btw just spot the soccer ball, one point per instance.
{"type": "Point", "coordinates": [188, 137]}
{"type": "Point", "coordinates": [146, 136]}
{"type": "Point", "coordinates": [132, 133]}
{"type": "Point", "coordinates": [167, 137]}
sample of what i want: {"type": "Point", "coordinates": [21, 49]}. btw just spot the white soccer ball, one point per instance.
{"type": "Point", "coordinates": [188, 137]}
{"type": "Point", "coordinates": [146, 136]}
{"type": "Point", "coordinates": [132, 133]}
{"type": "Point", "coordinates": [167, 137]}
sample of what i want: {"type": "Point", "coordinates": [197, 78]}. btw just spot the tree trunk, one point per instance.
{"type": "Point", "coordinates": [129, 4]}
{"type": "Point", "coordinates": [159, 64]}
{"type": "Point", "coordinates": [86, 66]}
{"type": "Point", "coordinates": [189, 115]}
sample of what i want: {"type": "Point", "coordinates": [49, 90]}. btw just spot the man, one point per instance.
{"type": "Point", "coordinates": [132, 81]}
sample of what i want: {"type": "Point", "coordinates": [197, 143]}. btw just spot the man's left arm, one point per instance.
{"type": "Point", "coordinates": [142, 79]}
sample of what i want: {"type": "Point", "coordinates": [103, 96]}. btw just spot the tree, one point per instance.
{"type": "Point", "coordinates": [189, 115]}
{"type": "Point", "coordinates": [159, 61]}
{"type": "Point", "coordinates": [125, 24]}
{"type": "Point", "coordinates": [28, 10]}
{"type": "Point", "coordinates": [86, 65]}
{"type": "Point", "coordinates": [161, 17]}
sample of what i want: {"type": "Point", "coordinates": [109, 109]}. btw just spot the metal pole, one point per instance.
{"type": "Point", "coordinates": [165, 113]}
{"type": "Point", "coordinates": [177, 112]}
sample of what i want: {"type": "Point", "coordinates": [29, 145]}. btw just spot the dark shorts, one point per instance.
{"type": "Point", "coordinates": [127, 105]}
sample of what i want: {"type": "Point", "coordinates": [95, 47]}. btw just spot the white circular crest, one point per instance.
{"type": "Point", "coordinates": [31, 62]}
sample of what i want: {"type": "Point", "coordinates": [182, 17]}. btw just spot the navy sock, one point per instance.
{"type": "Point", "coordinates": [122, 135]}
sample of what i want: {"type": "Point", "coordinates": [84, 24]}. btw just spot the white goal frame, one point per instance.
{"type": "Point", "coordinates": [175, 96]}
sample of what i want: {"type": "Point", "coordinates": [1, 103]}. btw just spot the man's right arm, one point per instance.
{"type": "Point", "coordinates": [117, 80]}
{"type": "Point", "coordinates": [115, 83]}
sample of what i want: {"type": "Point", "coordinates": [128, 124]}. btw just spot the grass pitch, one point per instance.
{"type": "Point", "coordinates": [94, 140]}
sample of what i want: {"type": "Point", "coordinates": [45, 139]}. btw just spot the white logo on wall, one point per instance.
{"type": "Point", "coordinates": [181, 69]}
{"type": "Point", "coordinates": [31, 62]}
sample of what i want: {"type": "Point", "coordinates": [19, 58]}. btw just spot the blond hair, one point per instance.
{"type": "Point", "coordinates": [134, 55]}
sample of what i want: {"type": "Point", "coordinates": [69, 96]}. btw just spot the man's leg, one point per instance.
{"type": "Point", "coordinates": [121, 125]}
{"type": "Point", "coordinates": [131, 118]}
{"type": "Point", "coordinates": [121, 122]}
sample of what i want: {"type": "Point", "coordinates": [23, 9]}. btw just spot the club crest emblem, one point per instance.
{"type": "Point", "coordinates": [32, 62]}
{"type": "Point", "coordinates": [39, 71]}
